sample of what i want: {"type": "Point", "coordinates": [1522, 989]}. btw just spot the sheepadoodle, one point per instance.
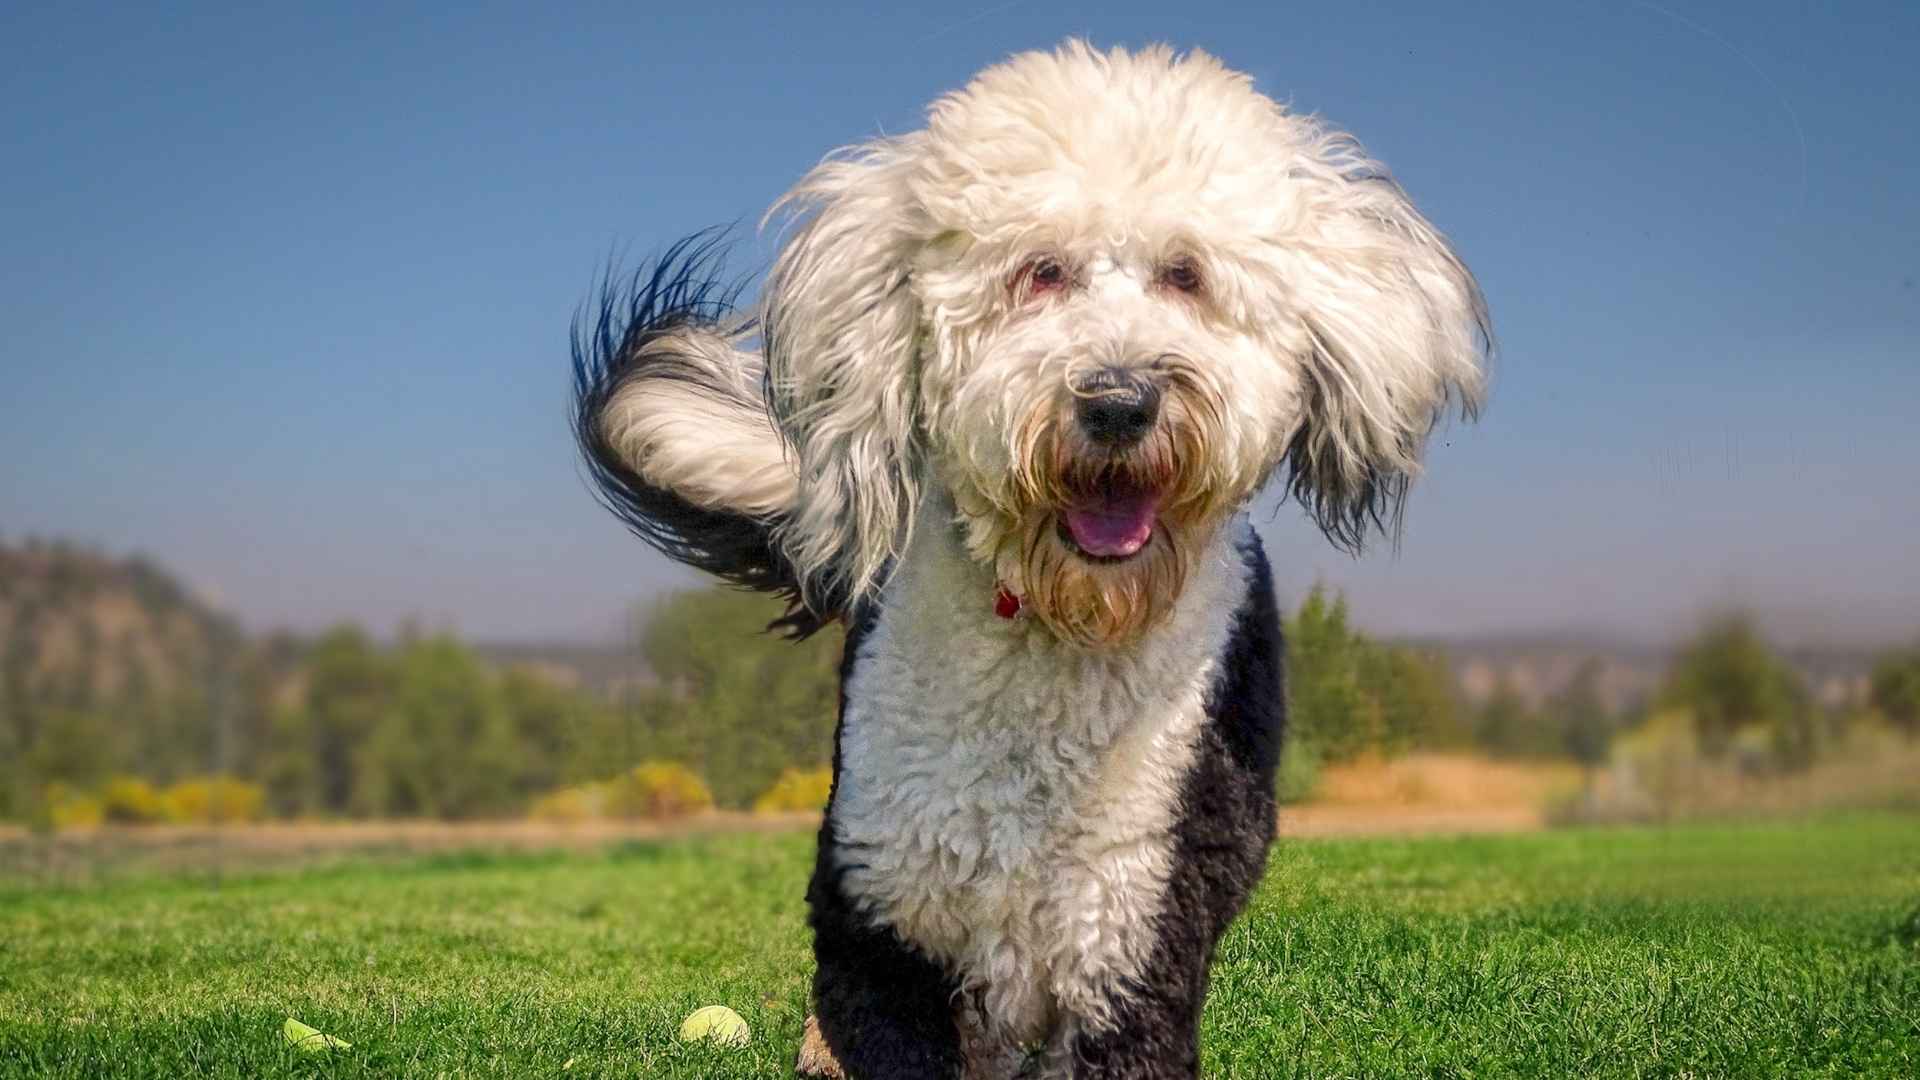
{"type": "Point", "coordinates": [999, 409]}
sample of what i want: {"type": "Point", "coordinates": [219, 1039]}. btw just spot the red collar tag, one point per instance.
{"type": "Point", "coordinates": [1005, 604]}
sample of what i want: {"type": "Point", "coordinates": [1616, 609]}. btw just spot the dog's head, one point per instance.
{"type": "Point", "coordinates": [1100, 300]}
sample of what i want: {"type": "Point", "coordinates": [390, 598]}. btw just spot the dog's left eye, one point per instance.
{"type": "Point", "coordinates": [1182, 275]}
{"type": "Point", "coordinates": [1042, 275]}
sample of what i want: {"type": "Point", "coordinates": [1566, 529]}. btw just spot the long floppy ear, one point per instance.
{"type": "Point", "coordinates": [840, 326]}
{"type": "Point", "coordinates": [672, 423]}
{"type": "Point", "coordinates": [1398, 334]}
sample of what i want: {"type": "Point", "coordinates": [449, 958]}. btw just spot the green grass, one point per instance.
{"type": "Point", "coordinates": [1761, 950]}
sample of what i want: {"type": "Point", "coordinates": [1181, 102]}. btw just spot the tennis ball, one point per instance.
{"type": "Point", "coordinates": [715, 1023]}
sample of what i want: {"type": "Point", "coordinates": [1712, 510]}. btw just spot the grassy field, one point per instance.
{"type": "Point", "coordinates": [1756, 950]}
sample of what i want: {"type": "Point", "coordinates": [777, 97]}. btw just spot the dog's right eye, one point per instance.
{"type": "Point", "coordinates": [1042, 275]}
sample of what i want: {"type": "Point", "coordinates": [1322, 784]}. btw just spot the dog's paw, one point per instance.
{"type": "Point", "coordinates": [815, 1060]}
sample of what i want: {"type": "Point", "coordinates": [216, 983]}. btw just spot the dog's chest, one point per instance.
{"type": "Point", "coordinates": [1009, 806]}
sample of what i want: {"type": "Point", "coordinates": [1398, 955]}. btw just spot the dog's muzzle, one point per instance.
{"type": "Point", "coordinates": [1112, 515]}
{"type": "Point", "coordinates": [1116, 408]}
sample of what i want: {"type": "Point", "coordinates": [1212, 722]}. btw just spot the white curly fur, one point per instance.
{"type": "Point", "coordinates": [1333, 311]}
{"type": "Point", "coordinates": [1008, 808]}
{"type": "Point", "coordinates": [703, 432]}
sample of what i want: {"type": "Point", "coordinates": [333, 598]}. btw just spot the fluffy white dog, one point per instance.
{"type": "Point", "coordinates": [1012, 380]}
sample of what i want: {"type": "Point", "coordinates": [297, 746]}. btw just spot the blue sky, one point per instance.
{"type": "Point", "coordinates": [285, 292]}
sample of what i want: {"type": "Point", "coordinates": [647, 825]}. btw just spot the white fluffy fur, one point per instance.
{"type": "Point", "coordinates": [1333, 310]}
{"type": "Point", "coordinates": [704, 432]}
{"type": "Point", "coordinates": [842, 336]}
{"type": "Point", "coordinates": [1005, 800]}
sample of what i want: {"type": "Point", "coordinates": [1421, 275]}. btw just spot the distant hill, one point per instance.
{"type": "Point", "coordinates": [82, 629]}
{"type": "Point", "coordinates": [1534, 666]}
{"type": "Point", "coordinates": [1538, 666]}
{"type": "Point", "coordinates": [608, 672]}
{"type": "Point", "coordinates": [110, 665]}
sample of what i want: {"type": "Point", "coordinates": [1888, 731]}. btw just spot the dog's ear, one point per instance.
{"type": "Point", "coordinates": [1397, 334]}
{"type": "Point", "coordinates": [840, 324]}
{"type": "Point", "coordinates": [672, 424]}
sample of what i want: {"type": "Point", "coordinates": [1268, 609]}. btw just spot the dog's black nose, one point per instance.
{"type": "Point", "coordinates": [1117, 408]}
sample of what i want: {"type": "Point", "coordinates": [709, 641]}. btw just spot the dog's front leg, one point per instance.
{"type": "Point", "coordinates": [884, 1010]}
{"type": "Point", "coordinates": [1151, 1030]}
{"type": "Point", "coordinates": [1155, 1034]}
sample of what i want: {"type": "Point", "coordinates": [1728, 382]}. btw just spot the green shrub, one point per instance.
{"type": "Point", "coordinates": [1585, 804]}
{"type": "Point", "coordinates": [1299, 775]}
{"type": "Point", "coordinates": [1895, 689]}
{"type": "Point", "coordinates": [1907, 930]}
{"type": "Point", "coordinates": [1728, 678]}
{"type": "Point", "coordinates": [1658, 765]}
{"type": "Point", "coordinates": [796, 790]}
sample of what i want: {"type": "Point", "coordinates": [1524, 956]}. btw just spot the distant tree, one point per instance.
{"type": "Point", "coordinates": [13, 773]}
{"type": "Point", "coordinates": [1894, 689]}
{"type": "Point", "coordinates": [1348, 694]}
{"type": "Point", "coordinates": [349, 686]}
{"type": "Point", "coordinates": [1794, 739]}
{"type": "Point", "coordinates": [444, 746]}
{"type": "Point", "coordinates": [264, 674]}
{"type": "Point", "coordinates": [1507, 727]}
{"type": "Point", "coordinates": [552, 727]}
{"type": "Point", "coordinates": [1328, 706]}
{"type": "Point", "coordinates": [737, 704]}
{"type": "Point", "coordinates": [1419, 706]}
{"type": "Point", "coordinates": [1586, 727]}
{"type": "Point", "coordinates": [1729, 678]}
{"type": "Point", "coordinates": [421, 729]}
{"type": "Point", "coordinates": [73, 746]}
{"type": "Point", "coordinates": [289, 769]}
{"type": "Point", "coordinates": [20, 716]}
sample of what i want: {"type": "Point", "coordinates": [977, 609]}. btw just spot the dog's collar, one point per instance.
{"type": "Point", "coordinates": [1005, 603]}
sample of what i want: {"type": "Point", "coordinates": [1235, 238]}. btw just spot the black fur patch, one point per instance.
{"type": "Point", "coordinates": [615, 338]}
{"type": "Point", "coordinates": [885, 1009]}
{"type": "Point", "coordinates": [1222, 831]}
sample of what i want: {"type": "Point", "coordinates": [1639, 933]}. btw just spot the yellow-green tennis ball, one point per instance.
{"type": "Point", "coordinates": [715, 1023]}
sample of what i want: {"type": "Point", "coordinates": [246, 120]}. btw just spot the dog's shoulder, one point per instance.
{"type": "Point", "coordinates": [1247, 704]}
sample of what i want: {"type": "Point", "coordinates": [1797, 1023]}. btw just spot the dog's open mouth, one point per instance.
{"type": "Point", "coordinates": [1111, 520]}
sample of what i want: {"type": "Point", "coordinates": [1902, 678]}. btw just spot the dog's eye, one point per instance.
{"type": "Point", "coordinates": [1043, 275]}
{"type": "Point", "coordinates": [1182, 275]}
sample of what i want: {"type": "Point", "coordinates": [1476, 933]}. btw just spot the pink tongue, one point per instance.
{"type": "Point", "coordinates": [1116, 525]}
